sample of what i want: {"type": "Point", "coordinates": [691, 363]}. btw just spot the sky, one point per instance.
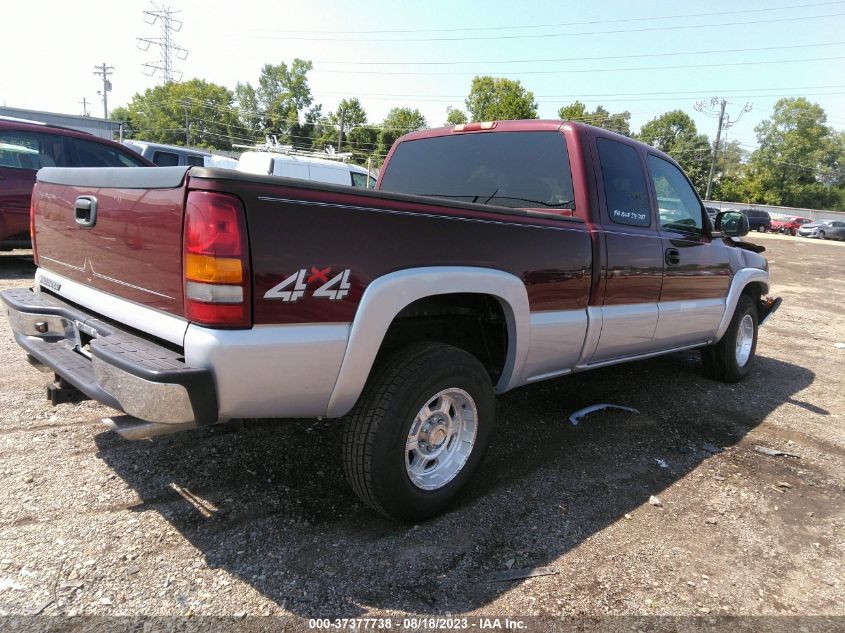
{"type": "Point", "coordinates": [646, 57]}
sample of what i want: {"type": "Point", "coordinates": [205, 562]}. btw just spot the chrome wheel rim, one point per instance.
{"type": "Point", "coordinates": [441, 439]}
{"type": "Point", "coordinates": [744, 340]}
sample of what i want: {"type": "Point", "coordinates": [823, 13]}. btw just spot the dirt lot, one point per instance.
{"type": "Point", "coordinates": [259, 521]}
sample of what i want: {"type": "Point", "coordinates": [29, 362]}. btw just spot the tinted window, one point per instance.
{"type": "Point", "coordinates": [30, 150]}
{"type": "Point", "coordinates": [677, 204]}
{"type": "Point", "coordinates": [360, 180]}
{"type": "Point", "coordinates": [166, 159]}
{"type": "Point", "coordinates": [511, 169]}
{"type": "Point", "coordinates": [195, 161]}
{"type": "Point", "coordinates": [624, 183]}
{"type": "Point", "coordinates": [93, 154]}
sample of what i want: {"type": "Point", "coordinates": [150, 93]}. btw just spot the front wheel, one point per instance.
{"type": "Point", "coordinates": [419, 431]}
{"type": "Point", "coordinates": [821, 235]}
{"type": "Point", "coordinates": [729, 360]}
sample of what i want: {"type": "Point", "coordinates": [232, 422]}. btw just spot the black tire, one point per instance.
{"type": "Point", "coordinates": [720, 360]}
{"type": "Point", "coordinates": [376, 431]}
{"type": "Point", "coordinates": [761, 229]}
{"type": "Point", "coordinates": [821, 235]}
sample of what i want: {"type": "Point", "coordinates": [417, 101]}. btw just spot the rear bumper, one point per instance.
{"type": "Point", "coordinates": [145, 379]}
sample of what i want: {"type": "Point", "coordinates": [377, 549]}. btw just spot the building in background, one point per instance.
{"type": "Point", "coordinates": [104, 128]}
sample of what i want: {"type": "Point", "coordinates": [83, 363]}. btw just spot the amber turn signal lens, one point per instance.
{"type": "Point", "coordinates": [215, 270]}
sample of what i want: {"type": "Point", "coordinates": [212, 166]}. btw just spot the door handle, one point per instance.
{"type": "Point", "coordinates": [85, 211]}
{"type": "Point", "coordinates": [673, 257]}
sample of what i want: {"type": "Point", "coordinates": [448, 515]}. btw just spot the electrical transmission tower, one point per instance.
{"type": "Point", "coordinates": [169, 24]}
{"type": "Point", "coordinates": [105, 72]}
{"type": "Point", "coordinates": [716, 109]}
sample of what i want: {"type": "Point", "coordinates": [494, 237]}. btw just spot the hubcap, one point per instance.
{"type": "Point", "coordinates": [744, 340]}
{"type": "Point", "coordinates": [441, 438]}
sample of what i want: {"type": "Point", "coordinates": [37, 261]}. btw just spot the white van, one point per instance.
{"type": "Point", "coordinates": [306, 168]}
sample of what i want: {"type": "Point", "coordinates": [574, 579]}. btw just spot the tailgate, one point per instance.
{"type": "Point", "coordinates": [130, 246]}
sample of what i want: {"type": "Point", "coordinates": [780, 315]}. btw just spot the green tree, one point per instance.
{"type": "Point", "coordinates": [398, 121]}
{"type": "Point", "coordinates": [158, 115]}
{"type": "Point", "coordinates": [800, 161]}
{"type": "Point", "coordinates": [455, 116]}
{"type": "Point", "coordinates": [675, 133]}
{"type": "Point", "coordinates": [358, 137]}
{"type": "Point", "coordinates": [281, 103]}
{"type": "Point", "coordinates": [619, 122]}
{"type": "Point", "coordinates": [497, 99]}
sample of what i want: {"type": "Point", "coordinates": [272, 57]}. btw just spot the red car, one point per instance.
{"type": "Point", "coordinates": [26, 147]}
{"type": "Point", "coordinates": [789, 225]}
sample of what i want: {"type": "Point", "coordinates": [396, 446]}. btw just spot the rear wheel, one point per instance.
{"type": "Point", "coordinates": [730, 359]}
{"type": "Point", "coordinates": [761, 229]}
{"type": "Point", "coordinates": [419, 431]}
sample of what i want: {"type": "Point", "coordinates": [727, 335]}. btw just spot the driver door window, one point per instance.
{"type": "Point", "coordinates": [678, 206]}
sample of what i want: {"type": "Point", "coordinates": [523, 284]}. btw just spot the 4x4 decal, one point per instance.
{"type": "Point", "coordinates": [295, 286]}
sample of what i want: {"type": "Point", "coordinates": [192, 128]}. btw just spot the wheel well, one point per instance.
{"type": "Point", "coordinates": [473, 322]}
{"type": "Point", "coordinates": [754, 290]}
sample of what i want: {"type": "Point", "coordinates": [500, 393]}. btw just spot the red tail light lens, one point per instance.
{"type": "Point", "coordinates": [216, 261]}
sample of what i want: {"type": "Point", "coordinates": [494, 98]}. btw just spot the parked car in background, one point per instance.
{"type": "Point", "coordinates": [829, 230]}
{"type": "Point", "coordinates": [26, 147]}
{"type": "Point", "coordinates": [791, 226]}
{"type": "Point", "coordinates": [169, 155]}
{"type": "Point", "coordinates": [758, 220]}
{"type": "Point", "coordinates": [306, 168]}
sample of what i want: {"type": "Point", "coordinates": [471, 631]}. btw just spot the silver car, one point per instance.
{"type": "Point", "coordinates": [830, 230]}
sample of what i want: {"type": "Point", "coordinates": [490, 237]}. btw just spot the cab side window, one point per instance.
{"type": "Point", "coordinates": [678, 206]}
{"type": "Point", "coordinates": [624, 183]}
{"type": "Point", "coordinates": [92, 154]}
{"type": "Point", "coordinates": [30, 150]}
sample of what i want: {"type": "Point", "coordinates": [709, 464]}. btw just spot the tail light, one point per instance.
{"type": "Point", "coordinates": [32, 228]}
{"type": "Point", "coordinates": [216, 261]}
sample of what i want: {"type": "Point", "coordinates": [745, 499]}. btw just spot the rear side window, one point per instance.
{"type": "Point", "coordinates": [91, 154]}
{"type": "Point", "coordinates": [362, 180]}
{"type": "Point", "coordinates": [624, 183]}
{"type": "Point", "coordinates": [166, 159]}
{"type": "Point", "coordinates": [527, 170]}
{"type": "Point", "coordinates": [677, 204]}
{"type": "Point", "coordinates": [195, 161]}
{"type": "Point", "coordinates": [31, 150]}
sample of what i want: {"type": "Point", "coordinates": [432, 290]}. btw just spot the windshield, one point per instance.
{"type": "Point", "coordinates": [510, 169]}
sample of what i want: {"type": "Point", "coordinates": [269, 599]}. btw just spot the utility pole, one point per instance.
{"type": "Point", "coordinates": [187, 126]}
{"type": "Point", "coordinates": [724, 123]}
{"type": "Point", "coordinates": [340, 135]}
{"type": "Point", "coordinates": [165, 16]}
{"type": "Point", "coordinates": [84, 104]}
{"type": "Point", "coordinates": [105, 72]}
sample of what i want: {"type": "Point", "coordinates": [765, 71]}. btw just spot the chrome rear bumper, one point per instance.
{"type": "Point", "coordinates": [146, 379]}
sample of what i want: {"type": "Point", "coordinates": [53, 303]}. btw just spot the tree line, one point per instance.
{"type": "Point", "coordinates": [799, 161]}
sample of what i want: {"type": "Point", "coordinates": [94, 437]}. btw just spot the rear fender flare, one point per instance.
{"type": "Point", "coordinates": [386, 296]}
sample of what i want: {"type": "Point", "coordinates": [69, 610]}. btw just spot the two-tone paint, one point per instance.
{"type": "Point", "coordinates": [577, 290]}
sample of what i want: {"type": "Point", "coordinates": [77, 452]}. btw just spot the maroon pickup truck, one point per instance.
{"type": "Point", "coordinates": [491, 255]}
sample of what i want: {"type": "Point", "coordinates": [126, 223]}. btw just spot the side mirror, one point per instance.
{"type": "Point", "coordinates": [732, 223]}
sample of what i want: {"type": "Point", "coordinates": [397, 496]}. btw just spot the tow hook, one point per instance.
{"type": "Point", "coordinates": [768, 307]}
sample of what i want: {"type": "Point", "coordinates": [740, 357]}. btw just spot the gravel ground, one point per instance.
{"type": "Point", "coordinates": [259, 521]}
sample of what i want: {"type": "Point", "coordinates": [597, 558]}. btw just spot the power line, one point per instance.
{"type": "Point", "coordinates": [550, 35]}
{"type": "Point", "coordinates": [166, 44]}
{"type": "Point", "coordinates": [579, 70]}
{"type": "Point", "coordinates": [560, 24]}
{"type": "Point", "coordinates": [580, 59]}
